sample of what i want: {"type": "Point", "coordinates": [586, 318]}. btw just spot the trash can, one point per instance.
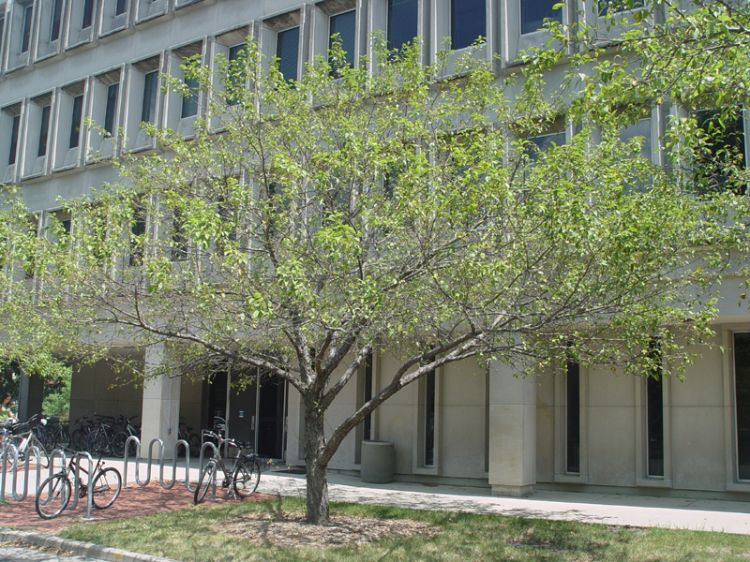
{"type": "Point", "coordinates": [378, 462]}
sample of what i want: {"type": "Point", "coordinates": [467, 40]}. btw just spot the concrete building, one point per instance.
{"type": "Point", "coordinates": [63, 61]}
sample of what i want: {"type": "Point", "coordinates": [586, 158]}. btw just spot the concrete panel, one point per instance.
{"type": "Point", "coordinates": [698, 459]}
{"type": "Point", "coordinates": [610, 389]}
{"type": "Point", "coordinates": [99, 389]}
{"type": "Point", "coordinates": [545, 428]}
{"type": "Point", "coordinates": [612, 445]}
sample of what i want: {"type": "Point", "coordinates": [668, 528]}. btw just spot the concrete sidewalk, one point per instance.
{"type": "Point", "coordinates": [610, 509]}
{"type": "Point", "coordinates": [637, 511]}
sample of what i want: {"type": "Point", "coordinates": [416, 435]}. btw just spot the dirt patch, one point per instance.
{"type": "Point", "coordinates": [133, 502]}
{"type": "Point", "coordinates": [291, 531]}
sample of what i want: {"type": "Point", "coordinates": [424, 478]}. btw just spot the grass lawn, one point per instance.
{"type": "Point", "coordinates": [195, 534]}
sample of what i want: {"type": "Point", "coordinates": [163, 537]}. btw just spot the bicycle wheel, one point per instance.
{"type": "Point", "coordinates": [118, 443]}
{"type": "Point", "coordinates": [246, 477]}
{"type": "Point", "coordinates": [106, 488]}
{"type": "Point", "coordinates": [207, 477]}
{"type": "Point", "coordinates": [53, 496]}
{"type": "Point", "coordinates": [39, 452]}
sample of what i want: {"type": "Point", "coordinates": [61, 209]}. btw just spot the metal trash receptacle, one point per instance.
{"type": "Point", "coordinates": [378, 462]}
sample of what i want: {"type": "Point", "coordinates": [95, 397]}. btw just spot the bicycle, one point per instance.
{"type": "Point", "coordinates": [243, 480]}
{"type": "Point", "coordinates": [24, 437]}
{"type": "Point", "coordinates": [54, 493]}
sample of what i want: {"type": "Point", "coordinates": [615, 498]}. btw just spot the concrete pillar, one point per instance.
{"type": "Point", "coordinates": [160, 413]}
{"type": "Point", "coordinates": [30, 395]}
{"type": "Point", "coordinates": [512, 431]}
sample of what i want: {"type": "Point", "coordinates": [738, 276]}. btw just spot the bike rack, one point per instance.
{"type": "Point", "coordinates": [77, 483]}
{"type": "Point", "coordinates": [10, 462]}
{"type": "Point", "coordinates": [152, 459]}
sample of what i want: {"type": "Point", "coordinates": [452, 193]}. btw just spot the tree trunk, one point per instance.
{"type": "Point", "coordinates": [317, 481]}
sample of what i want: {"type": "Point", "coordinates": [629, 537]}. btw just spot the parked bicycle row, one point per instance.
{"type": "Point", "coordinates": [97, 433]}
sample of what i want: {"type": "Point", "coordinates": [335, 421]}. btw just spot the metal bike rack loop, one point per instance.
{"type": "Point", "coordinates": [152, 459]}
{"type": "Point", "coordinates": [22, 470]}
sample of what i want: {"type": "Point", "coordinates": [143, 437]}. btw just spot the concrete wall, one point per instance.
{"type": "Point", "coordinates": [699, 444]}
{"type": "Point", "coordinates": [461, 419]}
{"type": "Point", "coordinates": [99, 389]}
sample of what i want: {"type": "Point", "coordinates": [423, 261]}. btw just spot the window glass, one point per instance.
{"type": "Point", "coordinates": [640, 129]}
{"type": "Point", "coordinates": [742, 403]}
{"type": "Point", "coordinates": [402, 22]}
{"type": "Point", "coordinates": [541, 143]}
{"type": "Point", "coordinates": [429, 419]}
{"type": "Point", "coordinates": [343, 25]}
{"type": "Point", "coordinates": [28, 16]}
{"type": "Point", "coordinates": [88, 13]}
{"type": "Point", "coordinates": [467, 22]}
{"type": "Point", "coordinates": [573, 418]}
{"type": "Point", "coordinates": [287, 51]}
{"type": "Point", "coordinates": [120, 7]}
{"type": "Point", "coordinates": [724, 150]}
{"type": "Point", "coordinates": [14, 139]}
{"type": "Point", "coordinates": [190, 103]}
{"type": "Point", "coordinates": [111, 109]}
{"type": "Point", "coordinates": [75, 123]}
{"type": "Point", "coordinates": [655, 415]}
{"type": "Point", "coordinates": [56, 18]}
{"type": "Point", "coordinates": [236, 81]}
{"type": "Point", "coordinates": [43, 132]}
{"type": "Point", "coordinates": [534, 12]}
{"type": "Point", "coordinates": [150, 89]}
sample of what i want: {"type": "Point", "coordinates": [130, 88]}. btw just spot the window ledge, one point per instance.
{"type": "Point", "coordinates": [567, 478]}
{"type": "Point", "coordinates": [738, 486]}
{"type": "Point", "coordinates": [653, 482]}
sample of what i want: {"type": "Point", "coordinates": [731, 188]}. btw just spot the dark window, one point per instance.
{"type": "Point", "coordinates": [742, 403]}
{"type": "Point", "coordinates": [150, 85]}
{"type": "Point", "coordinates": [75, 122]}
{"type": "Point", "coordinates": [429, 419]}
{"type": "Point", "coordinates": [642, 129]}
{"type": "Point", "coordinates": [88, 13]}
{"type": "Point", "coordinates": [137, 229]}
{"type": "Point", "coordinates": [237, 79]}
{"type": "Point", "coordinates": [655, 414]}
{"type": "Point", "coordinates": [343, 27]}
{"type": "Point", "coordinates": [66, 224]}
{"type": "Point", "coordinates": [179, 239]}
{"type": "Point", "coordinates": [287, 50]}
{"type": "Point", "coordinates": [402, 22]}
{"type": "Point", "coordinates": [14, 139]}
{"type": "Point", "coordinates": [56, 18]}
{"type": "Point", "coordinates": [28, 16]}
{"type": "Point", "coordinates": [467, 22]}
{"type": "Point", "coordinates": [606, 6]}
{"type": "Point", "coordinates": [573, 418]}
{"type": "Point", "coordinates": [43, 132]}
{"type": "Point", "coordinates": [190, 103]}
{"type": "Point", "coordinates": [543, 142]}
{"type": "Point", "coordinates": [121, 6]}
{"type": "Point", "coordinates": [534, 12]}
{"type": "Point", "coordinates": [111, 109]}
{"type": "Point", "coordinates": [723, 154]}
{"type": "Point", "coordinates": [367, 396]}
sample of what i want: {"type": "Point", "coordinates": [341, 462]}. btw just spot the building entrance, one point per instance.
{"type": "Point", "coordinates": [257, 411]}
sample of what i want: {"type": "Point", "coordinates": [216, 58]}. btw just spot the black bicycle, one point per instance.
{"type": "Point", "coordinates": [54, 493]}
{"type": "Point", "coordinates": [242, 479]}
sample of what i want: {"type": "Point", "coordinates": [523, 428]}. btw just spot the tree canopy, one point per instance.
{"type": "Point", "coordinates": [433, 212]}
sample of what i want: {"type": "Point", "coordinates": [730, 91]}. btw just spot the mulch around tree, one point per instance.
{"type": "Point", "coordinates": [133, 502]}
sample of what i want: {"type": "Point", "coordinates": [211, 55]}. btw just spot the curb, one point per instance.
{"type": "Point", "coordinates": [78, 548]}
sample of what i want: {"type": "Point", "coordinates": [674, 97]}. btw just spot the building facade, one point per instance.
{"type": "Point", "coordinates": [65, 62]}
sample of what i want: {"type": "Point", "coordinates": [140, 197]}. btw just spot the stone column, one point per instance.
{"type": "Point", "coordinates": [160, 414]}
{"type": "Point", "coordinates": [512, 431]}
